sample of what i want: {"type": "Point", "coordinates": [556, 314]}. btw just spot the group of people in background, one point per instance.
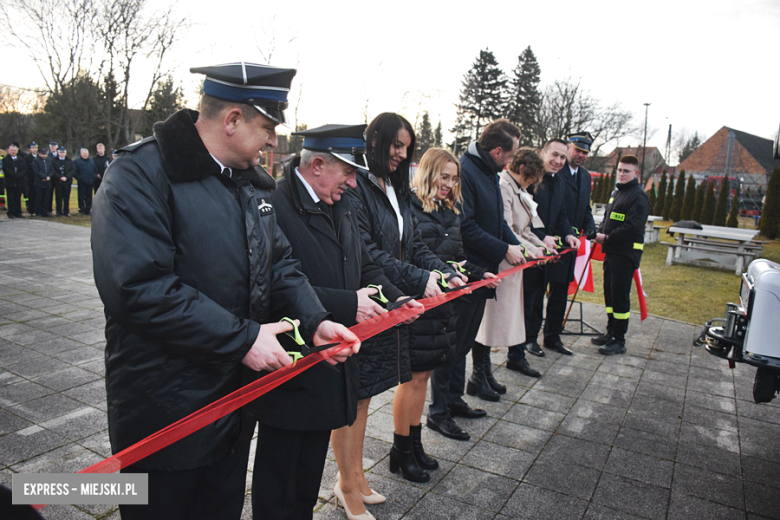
{"type": "Point", "coordinates": [43, 178]}
{"type": "Point", "coordinates": [221, 253]}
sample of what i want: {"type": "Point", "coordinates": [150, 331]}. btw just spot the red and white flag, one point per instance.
{"type": "Point", "coordinates": [641, 294]}
{"type": "Point", "coordinates": [583, 274]}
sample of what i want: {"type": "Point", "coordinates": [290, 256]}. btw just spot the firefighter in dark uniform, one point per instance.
{"type": "Point", "coordinates": [622, 236]}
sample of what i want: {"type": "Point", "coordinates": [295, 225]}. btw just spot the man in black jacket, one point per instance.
{"type": "Point", "coordinates": [63, 177]}
{"type": "Point", "coordinates": [550, 196]}
{"type": "Point", "coordinates": [576, 182]}
{"type": "Point", "coordinates": [30, 159]}
{"type": "Point", "coordinates": [622, 237]}
{"type": "Point", "coordinates": [15, 171]}
{"type": "Point", "coordinates": [324, 235]}
{"type": "Point", "coordinates": [101, 163]}
{"type": "Point", "coordinates": [487, 240]}
{"type": "Point", "coordinates": [43, 174]}
{"type": "Point", "coordinates": [195, 274]}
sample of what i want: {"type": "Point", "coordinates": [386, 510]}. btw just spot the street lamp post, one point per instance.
{"type": "Point", "coordinates": [644, 145]}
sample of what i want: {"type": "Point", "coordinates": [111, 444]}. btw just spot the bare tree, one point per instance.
{"type": "Point", "coordinates": [567, 108]}
{"type": "Point", "coordinates": [101, 39]}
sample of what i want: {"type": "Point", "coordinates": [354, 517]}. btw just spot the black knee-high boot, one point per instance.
{"type": "Point", "coordinates": [478, 384]}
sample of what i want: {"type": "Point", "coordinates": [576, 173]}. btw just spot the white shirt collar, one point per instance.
{"type": "Point", "coordinates": [573, 170]}
{"type": "Point", "coordinates": [306, 185]}
{"type": "Point", "coordinates": [222, 166]}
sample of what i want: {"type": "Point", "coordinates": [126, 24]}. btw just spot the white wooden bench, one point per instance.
{"type": "Point", "coordinates": [713, 246]}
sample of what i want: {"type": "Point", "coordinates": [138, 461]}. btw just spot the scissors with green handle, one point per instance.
{"type": "Point", "coordinates": [305, 350]}
{"type": "Point", "coordinates": [459, 268]}
{"type": "Point", "coordinates": [442, 280]}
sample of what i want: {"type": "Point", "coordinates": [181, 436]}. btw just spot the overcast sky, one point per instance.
{"type": "Point", "coordinates": [701, 65]}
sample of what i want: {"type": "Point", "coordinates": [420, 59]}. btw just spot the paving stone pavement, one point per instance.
{"type": "Point", "coordinates": [666, 431]}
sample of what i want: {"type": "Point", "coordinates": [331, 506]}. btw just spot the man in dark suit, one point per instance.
{"type": "Point", "coordinates": [325, 238]}
{"type": "Point", "coordinates": [560, 274]}
{"type": "Point", "coordinates": [551, 197]}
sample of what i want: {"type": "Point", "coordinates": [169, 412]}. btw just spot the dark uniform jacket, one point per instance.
{"type": "Point", "coordinates": [407, 262]}
{"type": "Point", "coordinates": [15, 172]}
{"type": "Point", "coordinates": [432, 335]}
{"type": "Point", "coordinates": [85, 171]}
{"type": "Point", "coordinates": [189, 263]}
{"type": "Point", "coordinates": [42, 169]}
{"type": "Point", "coordinates": [550, 196]}
{"type": "Point", "coordinates": [486, 235]}
{"type": "Point", "coordinates": [63, 168]}
{"type": "Point", "coordinates": [624, 221]}
{"type": "Point", "coordinates": [334, 258]}
{"type": "Point", "coordinates": [578, 213]}
{"type": "Point", "coordinates": [101, 163]}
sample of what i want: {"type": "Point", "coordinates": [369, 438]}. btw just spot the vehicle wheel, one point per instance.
{"type": "Point", "coordinates": [765, 385]}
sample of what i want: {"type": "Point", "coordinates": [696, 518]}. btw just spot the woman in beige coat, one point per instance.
{"type": "Point", "coordinates": [503, 324]}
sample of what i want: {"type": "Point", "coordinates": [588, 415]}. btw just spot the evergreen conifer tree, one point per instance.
{"type": "Point", "coordinates": [721, 208]}
{"type": "Point", "coordinates": [524, 98]}
{"type": "Point", "coordinates": [770, 215]}
{"type": "Point", "coordinates": [437, 136]}
{"type": "Point", "coordinates": [679, 196]}
{"type": "Point", "coordinates": [690, 199]}
{"type": "Point", "coordinates": [698, 204]}
{"type": "Point", "coordinates": [658, 209]}
{"type": "Point", "coordinates": [611, 184]}
{"type": "Point", "coordinates": [651, 195]}
{"type": "Point", "coordinates": [425, 137]}
{"type": "Point", "coordinates": [669, 199]}
{"type": "Point", "coordinates": [733, 219]}
{"type": "Point", "coordinates": [481, 99]}
{"type": "Point", "coordinates": [708, 208]}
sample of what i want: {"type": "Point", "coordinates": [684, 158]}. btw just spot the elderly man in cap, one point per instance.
{"type": "Point", "coordinates": [576, 206]}
{"type": "Point", "coordinates": [62, 180]}
{"type": "Point", "coordinates": [15, 171]}
{"type": "Point", "coordinates": [324, 235]}
{"type": "Point", "coordinates": [195, 276]}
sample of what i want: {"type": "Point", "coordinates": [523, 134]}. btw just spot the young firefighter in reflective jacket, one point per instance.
{"type": "Point", "coordinates": [622, 236]}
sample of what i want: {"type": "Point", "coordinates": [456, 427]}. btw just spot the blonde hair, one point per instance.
{"type": "Point", "coordinates": [428, 173]}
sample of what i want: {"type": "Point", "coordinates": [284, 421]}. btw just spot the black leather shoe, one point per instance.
{"type": "Point", "coordinates": [448, 428]}
{"type": "Point", "coordinates": [522, 367]}
{"type": "Point", "coordinates": [535, 349]}
{"type": "Point", "coordinates": [467, 412]}
{"type": "Point", "coordinates": [558, 347]}
{"type": "Point", "coordinates": [615, 346]}
{"type": "Point", "coordinates": [601, 340]}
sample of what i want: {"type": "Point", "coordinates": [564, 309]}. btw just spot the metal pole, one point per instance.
{"type": "Point", "coordinates": [644, 145]}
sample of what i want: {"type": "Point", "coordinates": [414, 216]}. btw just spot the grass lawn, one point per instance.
{"type": "Point", "coordinates": [686, 293]}
{"type": "Point", "coordinates": [75, 219]}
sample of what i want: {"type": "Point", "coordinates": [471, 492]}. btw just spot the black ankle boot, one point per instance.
{"type": "Point", "coordinates": [478, 384]}
{"type": "Point", "coordinates": [422, 458]}
{"type": "Point", "coordinates": [495, 385]}
{"type": "Point", "coordinates": [401, 457]}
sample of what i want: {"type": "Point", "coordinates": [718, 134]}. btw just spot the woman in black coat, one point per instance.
{"type": "Point", "coordinates": [382, 204]}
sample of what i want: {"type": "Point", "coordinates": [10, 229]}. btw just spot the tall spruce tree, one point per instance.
{"type": "Point", "coordinates": [669, 199]}
{"type": "Point", "coordinates": [437, 136]}
{"type": "Point", "coordinates": [679, 196]}
{"type": "Point", "coordinates": [698, 204]}
{"type": "Point", "coordinates": [770, 215]}
{"type": "Point", "coordinates": [658, 209]}
{"type": "Point", "coordinates": [481, 99]}
{"type": "Point", "coordinates": [708, 208]}
{"type": "Point", "coordinates": [721, 208]}
{"type": "Point", "coordinates": [611, 184]}
{"type": "Point", "coordinates": [651, 195]}
{"type": "Point", "coordinates": [524, 98]}
{"type": "Point", "coordinates": [425, 139]}
{"type": "Point", "coordinates": [690, 199]}
{"type": "Point", "coordinates": [733, 219]}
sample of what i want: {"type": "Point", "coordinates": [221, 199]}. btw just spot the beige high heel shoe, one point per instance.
{"type": "Point", "coordinates": [372, 499]}
{"type": "Point", "coordinates": [350, 516]}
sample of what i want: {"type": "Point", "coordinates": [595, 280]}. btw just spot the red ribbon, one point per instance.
{"type": "Point", "coordinates": [252, 391]}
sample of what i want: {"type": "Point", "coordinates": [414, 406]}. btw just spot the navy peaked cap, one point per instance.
{"type": "Point", "coordinates": [581, 140]}
{"type": "Point", "coordinates": [346, 142]}
{"type": "Point", "coordinates": [262, 86]}
{"type": "Point", "coordinates": [32, 143]}
{"type": "Point", "coordinates": [62, 149]}
{"type": "Point", "coordinates": [53, 143]}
